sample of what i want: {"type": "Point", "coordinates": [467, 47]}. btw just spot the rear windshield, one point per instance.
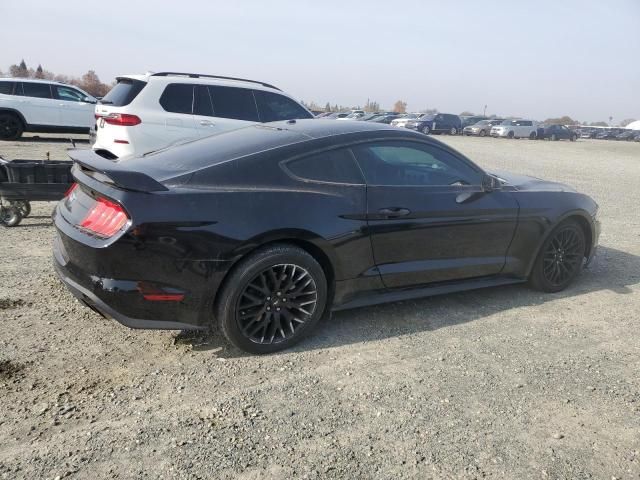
{"type": "Point", "coordinates": [123, 93]}
{"type": "Point", "coordinates": [195, 155]}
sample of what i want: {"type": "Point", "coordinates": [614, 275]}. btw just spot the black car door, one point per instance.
{"type": "Point", "coordinates": [429, 218]}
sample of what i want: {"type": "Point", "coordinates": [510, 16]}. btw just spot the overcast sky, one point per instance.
{"type": "Point", "coordinates": [538, 58]}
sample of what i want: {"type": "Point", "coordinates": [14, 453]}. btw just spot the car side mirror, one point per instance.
{"type": "Point", "coordinates": [89, 100]}
{"type": "Point", "coordinates": [490, 183]}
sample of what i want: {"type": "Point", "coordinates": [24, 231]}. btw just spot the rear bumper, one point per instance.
{"type": "Point", "coordinates": [123, 301]}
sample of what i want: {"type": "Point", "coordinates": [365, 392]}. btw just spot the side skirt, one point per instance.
{"type": "Point", "coordinates": [385, 296]}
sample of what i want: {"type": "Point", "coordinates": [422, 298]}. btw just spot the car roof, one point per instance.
{"type": "Point", "coordinates": [194, 78]}
{"type": "Point", "coordinates": [257, 139]}
{"type": "Point", "coordinates": [34, 80]}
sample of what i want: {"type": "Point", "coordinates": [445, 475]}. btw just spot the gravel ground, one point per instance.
{"type": "Point", "coordinates": [496, 383]}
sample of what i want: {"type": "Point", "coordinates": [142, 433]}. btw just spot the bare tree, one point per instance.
{"type": "Point", "coordinates": [400, 107]}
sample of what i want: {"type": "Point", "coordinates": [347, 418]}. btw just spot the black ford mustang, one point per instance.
{"type": "Point", "coordinates": [266, 229]}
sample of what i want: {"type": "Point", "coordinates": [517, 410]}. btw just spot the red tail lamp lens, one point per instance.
{"type": "Point", "coordinates": [105, 219]}
{"type": "Point", "coordinates": [122, 119]}
{"type": "Point", "coordinates": [157, 294]}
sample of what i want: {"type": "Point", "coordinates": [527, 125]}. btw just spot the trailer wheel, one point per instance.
{"type": "Point", "coordinates": [10, 216]}
{"type": "Point", "coordinates": [23, 206]}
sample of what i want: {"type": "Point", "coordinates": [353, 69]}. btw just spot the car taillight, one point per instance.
{"type": "Point", "coordinates": [70, 190]}
{"type": "Point", "coordinates": [122, 119]}
{"type": "Point", "coordinates": [105, 219]}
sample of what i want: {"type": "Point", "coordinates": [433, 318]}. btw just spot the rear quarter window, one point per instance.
{"type": "Point", "coordinates": [335, 166]}
{"type": "Point", "coordinates": [123, 92]}
{"type": "Point", "coordinates": [177, 98]}
{"type": "Point", "coordinates": [6, 88]}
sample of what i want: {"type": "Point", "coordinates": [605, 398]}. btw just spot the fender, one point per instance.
{"type": "Point", "coordinates": [17, 113]}
{"type": "Point", "coordinates": [583, 214]}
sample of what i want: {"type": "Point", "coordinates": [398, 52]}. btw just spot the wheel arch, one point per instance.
{"type": "Point", "coordinates": [585, 221]}
{"type": "Point", "coordinates": [314, 245]}
{"type": "Point", "coordinates": [17, 114]}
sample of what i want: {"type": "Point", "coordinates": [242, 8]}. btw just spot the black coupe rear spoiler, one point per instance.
{"type": "Point", "coordinates": [88, 161]}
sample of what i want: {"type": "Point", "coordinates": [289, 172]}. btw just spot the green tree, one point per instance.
{"type": "Point", "coordinates": [39, 72]}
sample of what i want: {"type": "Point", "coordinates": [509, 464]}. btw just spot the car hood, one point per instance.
{"type": "Point", "coordinates": [531, 184]}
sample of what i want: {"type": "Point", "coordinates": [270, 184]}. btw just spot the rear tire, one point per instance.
{"type": "Point", "coordinates": [560, 258]}
{"type": "Point", "coordinates": [272, 299]}
{"type": "Point", "coordinates": [453, 131]}
{"type": "Point", "coordinates": [23, 206]}
{"type": "Point", "coordinates": [426, 130]}
{"type": "Point", "coordinates": [554, 137]}
{"type": "Point", "coordinates": [511, 135]}
{"type": "Point", "coordinates": [11, 127]}
{"type": "Point", "coordinates": [533, 136]}
{"type": "Point", "coordinates": [10, 216]}
{"type": "Point", "coordinates": [482, 133]}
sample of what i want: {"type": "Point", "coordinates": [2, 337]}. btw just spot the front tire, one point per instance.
{"type": "Point", "coordinates": [483, 133]}
{"type": "Point", "coordinates": [453, 131]}
{"type": "Point", "coordinates": [11, 127]}
{"type": "Point", "coordinates": [426, 130]}
{"type": "Point", "coordinates": [560, 259]}
{"type": "Point", "coordinates": [10, 216]}
{"type": "Point", "coordinates": [272, 299]}
{"type": "Point", "coordinates": [511, 135]}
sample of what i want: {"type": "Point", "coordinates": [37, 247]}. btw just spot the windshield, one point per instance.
{"type": "Point", "coordinates": [427, 116]}
{"type": "Point", "coordinates": [482, 123]}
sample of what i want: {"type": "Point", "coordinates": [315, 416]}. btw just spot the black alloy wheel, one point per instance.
{"type": "Point", "coordinates": [453, 131]}
{"type": "Point", "coordinates": [23, 206]}
{"type": "Point", "coordinates": [276, 302]}
{"type": "Point", "coordinates": [560, 259]}
{"type": "Point", "coordinates": [272, 299]}
{"type": "Point", "coordinates": [10, 127]}
{"type": "Point", "coordinates": [482, 133]}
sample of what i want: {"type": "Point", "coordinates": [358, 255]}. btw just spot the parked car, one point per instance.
{"type": "Point", "coordinates": [516, 129]}
{"type": "Point", "coordinates": [43, 106]}
{"type": "Point", "coordinates": [467, 121]}
{"type": "Point", "coordinates": [403, 118]}
{"type": "Point", "coordinates": [588, 132]}
{"type": "Point", "coordinates": [143, 113]}
{"type": "Point", "coordinates": [353, 116]}
{"type": "Point", "coordinates": [323, 114]}
{"type": "Point", "coordinates": [337, 115]}
{"type": "Point", "coordinates": [437, 123]}
{"type": "Point", "coordinates": [482, 128]}
{"type": "Point", "coordinates": [628, 135]}
{"type": "Point", "coordinates": [556, 132]}
{"type": "Point", "coordinates": [607, 134]}
{"type": "Point", "coordinates": [266, 229]}
{"type": "Point", "coordinates": [387, 119]}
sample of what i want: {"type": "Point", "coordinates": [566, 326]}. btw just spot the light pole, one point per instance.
{"type": "Point", "coordinates": [484, 112]}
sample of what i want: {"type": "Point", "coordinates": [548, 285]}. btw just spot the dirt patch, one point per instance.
{"type": "Point", "coordinates": [7, 303]}
{"type": "Point", "coordinates": [9, 370]}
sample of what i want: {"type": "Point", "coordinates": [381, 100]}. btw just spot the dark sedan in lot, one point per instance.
{"type": "Point", "coordinates": [266, 229]}
{"type": "Point", "coordinates": [437, 123]}
{"type": "Point", "coordinates": [556, 132]}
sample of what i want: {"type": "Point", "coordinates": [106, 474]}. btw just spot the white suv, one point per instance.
{"type": "Point", "coordinates": [516, 129]}
{"type": "Point", "coordinates": [43, 106]}
{"type": "Point", "coordinates": [148, 112]}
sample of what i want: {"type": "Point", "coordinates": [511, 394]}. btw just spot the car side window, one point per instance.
{"type": "Point", "coordinates": [335, 166]}
{"type": "Point", "coordinates": [38, 90]}
{"type": "Point", "coordinates": [413, 164]}
{"type": "Point", "coordinates": [68, 94]}
{"type": "Point", "coordinates": [6, 88]}
{"type": "Point", "coordinates": [177, 98]}
{"type": "Point", "coordinates": [232, 102]}
{"type": "Point", "coordinates": [273, 107]}
{"type": "Point", "coordinates": [202, 101]}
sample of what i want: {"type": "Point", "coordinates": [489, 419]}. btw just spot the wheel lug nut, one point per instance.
{"type": "Point", "coordinates": [278, 309]}
{"type": "Point", "coordinates": [268, 298]}
{"type": "Point", "coordinates": [279, 293]}
{"type": "Point", "coordinates": [268, 308]}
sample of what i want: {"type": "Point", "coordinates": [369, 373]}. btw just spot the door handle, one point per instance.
{"type": "Point", "coordinates": [394, 212]}
{"type": "Point", "coordinates": [207, 123]}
